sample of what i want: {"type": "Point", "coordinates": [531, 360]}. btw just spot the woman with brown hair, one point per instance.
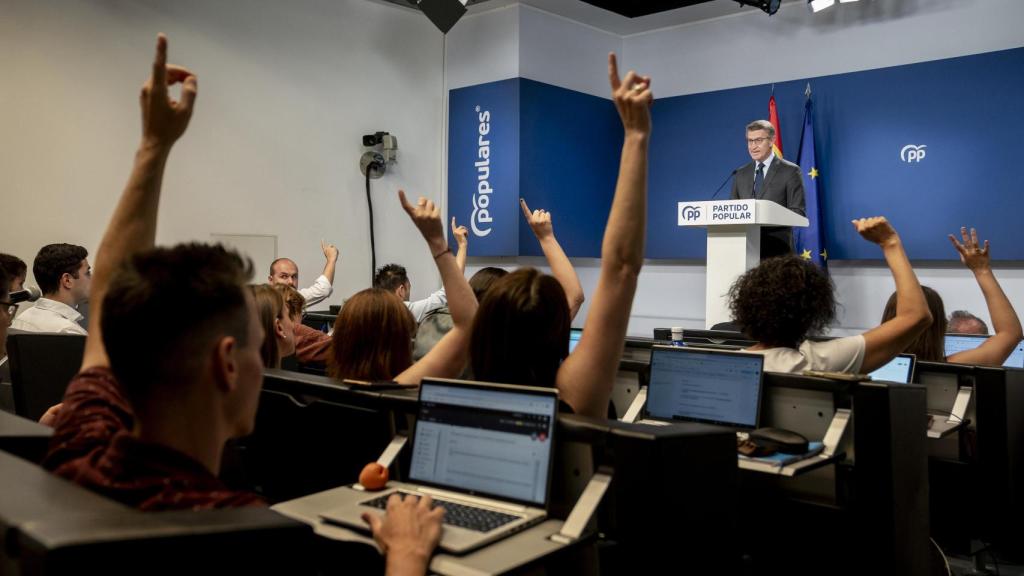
{"type": "Point", "coordinates": [521, 333]}
{"type": "Point", "coordinates": [930, 345]}
{"type": "Point", "coordinates": [374, 331]}
{"type": "Point", "coordinates": [311, 345]}
{"type": "Point", "coordinates": [278, 331]}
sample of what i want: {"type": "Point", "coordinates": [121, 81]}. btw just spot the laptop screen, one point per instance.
{"type": "Point", "coordinates": [960, 342]}
{"type": "Point", "coordinates": [574, 338]}
{"type": "Point", "coordinates": [899, 369]}
{"type": "Point", "coordinates": [705, 386]}
{"type": "Point", "coordinates": [483, 440]}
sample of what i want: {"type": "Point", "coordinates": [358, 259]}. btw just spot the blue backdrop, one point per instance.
{"type": "Point", "coordinates": [965, 111]}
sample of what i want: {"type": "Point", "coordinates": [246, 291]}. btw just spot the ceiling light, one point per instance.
{"type": "Point", "coordinates": [819, 5]}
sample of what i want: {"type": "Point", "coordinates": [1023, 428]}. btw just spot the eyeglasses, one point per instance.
{"type": "Point", "coordinates": [757, 141]}
{"type": "Point", "coordinates": [12, 309]}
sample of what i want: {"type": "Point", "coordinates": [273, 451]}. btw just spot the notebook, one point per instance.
{"type": "Point", "coordinates": [702, 385]}
{"type": "Point", "coordinates": [899, 369]}
{"type": "Point", "coordinates": [483, 452]}
{"type": "Point", "coordinates": [959, 342]}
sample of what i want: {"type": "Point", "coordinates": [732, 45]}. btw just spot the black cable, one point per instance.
{"type": "Point", "coordinates": [945, 413]}
{"type": "Point", "coordinates": [369, 204]}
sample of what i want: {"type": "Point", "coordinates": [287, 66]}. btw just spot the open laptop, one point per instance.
{"type": "Point", "coordinates": [899, 369]}
{"type": "Point", "coordinates": [702, 385]}
{"type": "Point", "coordinates": [483, 452]}
{"type": "Point", "coordinates": [959, 342]}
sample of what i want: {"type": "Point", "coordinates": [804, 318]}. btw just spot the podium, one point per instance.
{"type": "Point", "coordinates": [734, 243]}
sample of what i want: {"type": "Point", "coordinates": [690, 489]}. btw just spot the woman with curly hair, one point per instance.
{"type": "Point", "coordinates": [784, 300]}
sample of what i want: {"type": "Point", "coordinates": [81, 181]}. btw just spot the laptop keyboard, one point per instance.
{"type": "Point", "coordinates": [461, 515]}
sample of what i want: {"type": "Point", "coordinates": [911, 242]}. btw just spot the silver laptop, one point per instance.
{"type": "Point", "coordinates": [959, 342]}
{"type": "Point", "coordinates": [900, 369]}
{"type": "Point", "coordinates": [701, 385]}
{"type": "Point", "coordinates": [483, 452]}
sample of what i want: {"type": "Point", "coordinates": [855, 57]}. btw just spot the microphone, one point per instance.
{"type": "Point", "coordinates": [29, 294]}
{"type": "Point", "coordinates": [722, 185]}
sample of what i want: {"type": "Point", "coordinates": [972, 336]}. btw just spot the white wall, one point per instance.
{"type": "Point", "coordinates": [751, 48]}
{"type": "Point", "coordinates": [286, 91]}
{"type": "Point", "coordinates": [483, 48]}
{"type": "Point", "coordinates": [558, 51]}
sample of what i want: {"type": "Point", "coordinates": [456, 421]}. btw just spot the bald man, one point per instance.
{"type": "Point", "coordinates": [285, 271]}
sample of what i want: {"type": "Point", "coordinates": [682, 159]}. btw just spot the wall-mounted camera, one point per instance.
{"type": "Point", "coordinates": [382, 149]}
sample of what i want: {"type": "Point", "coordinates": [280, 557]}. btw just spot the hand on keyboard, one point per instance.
{"type": "Point", "coordinates": [409, 532]}
{"type": "Point", "coordinates": [461, 515]}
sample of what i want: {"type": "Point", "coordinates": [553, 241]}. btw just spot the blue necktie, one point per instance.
{"type": "Point", "coordinates": [758, 180]}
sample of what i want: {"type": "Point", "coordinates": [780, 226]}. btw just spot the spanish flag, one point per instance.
{"type": "Point", "coordinates": [773, 117]}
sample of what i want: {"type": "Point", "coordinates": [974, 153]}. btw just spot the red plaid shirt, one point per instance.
{"type": "Point", "coordinates": [93, 446]}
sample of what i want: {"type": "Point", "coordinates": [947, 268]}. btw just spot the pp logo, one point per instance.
{"type": "Point", "coordinates": [913, 153]}
{"type": "Point", "coordinates": [690, 213]}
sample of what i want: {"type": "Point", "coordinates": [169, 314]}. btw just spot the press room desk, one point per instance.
{"type": "Point", "coordinates": [502, 557]}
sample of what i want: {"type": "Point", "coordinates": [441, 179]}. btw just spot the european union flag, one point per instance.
{"type": "Point", "coordinates": [810, 242]}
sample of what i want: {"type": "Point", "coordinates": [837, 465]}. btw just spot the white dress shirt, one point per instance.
{"type": "Point", "coordinates": [318, 292]}
{"type": "Point", "coordinates": [50, 316]}
{"type": "Point", "coordinates": [420, 308]}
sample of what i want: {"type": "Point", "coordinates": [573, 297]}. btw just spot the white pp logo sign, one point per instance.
{"type": "Point", "coordinates": [913, 153]}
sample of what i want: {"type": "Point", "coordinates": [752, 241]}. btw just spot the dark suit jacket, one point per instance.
{"type": "Point", "coordinates": [783, 184]}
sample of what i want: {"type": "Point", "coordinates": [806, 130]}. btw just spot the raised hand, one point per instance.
{"type": "Point", "coordinates": [539, 220]}
{"type": "Point", "coordinates": [877, 230]}
{"type": "Point", "coordinates": [164, 120]}
{"type": "Point", "coordinates": [632, 96]}
{"type": "Point", "coordinates": [971, 253]}
{"type": "Point", "coordinates": [330, 251]}
{"type": "Point", "coordinates": [461, 233]}
{"type": "Point", "coordinates": [427, 218]}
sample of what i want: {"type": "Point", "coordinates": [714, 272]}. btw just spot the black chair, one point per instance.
{"type": "Point", "coordinates": [305, 443]}
{"type": "Point", "coordinates": [42, 365]}
{"type": "Point", "coordinates": [22, 437]}
{"type": "Point", "coordinates": [50, 526]}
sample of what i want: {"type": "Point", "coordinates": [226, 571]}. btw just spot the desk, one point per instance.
{"type": "Point", "coordinates": [502, 557]}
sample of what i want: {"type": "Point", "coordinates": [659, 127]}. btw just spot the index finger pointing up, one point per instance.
{"type": "Point", "coordinates": [526, 209]}
{"type": "Point", "coordinates": [160, 63]}
{"type": "Point", "coordinates": [613, 71]}
{"type": "Point", "coordinates": [404, 202]}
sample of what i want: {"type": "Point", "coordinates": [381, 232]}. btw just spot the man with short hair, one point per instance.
{"type": "Point", "coordinates": [963, 322]}
{"type": "Point", "coordinates": [285, 271]}
{"type": "Point", "coordinates": [394, 278]}
{"type": "Point", "coordinates": [64, 277]}
{"type": "Point", "coordinates": [16, 270]}
{"type": "Point", "coordinates": [146, 424]}
{"type": "Point", "coordinates": [769, 177]}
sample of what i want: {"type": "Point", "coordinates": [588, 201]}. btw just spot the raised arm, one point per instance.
{"type": "Point", "coordinates": [996, 349]}
{"type": "Point", "coordinates": [561, 267]}
{"type": "Point", "coordinates": [586, 377]}
{"type": "Point", "coordinates": [462, 239]}
{"type": "Point", "coordinates": [132, 228]}
{"type": "Point", "coordinates": [883, 343]}
{"type": "Point", "coordinates": [448, 357]}
{"type": "Point", "coordinates": [331, 254]}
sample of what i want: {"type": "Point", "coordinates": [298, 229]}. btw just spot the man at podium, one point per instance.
{"type": "Point", "coordinates": [769, 177]}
